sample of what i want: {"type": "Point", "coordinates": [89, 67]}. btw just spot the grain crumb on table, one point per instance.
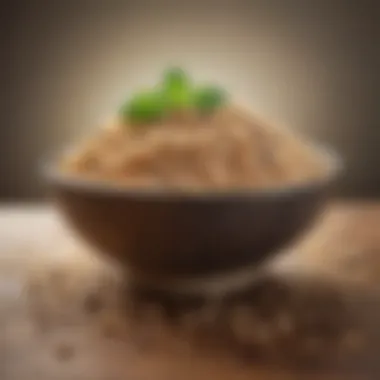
{"type": "Point", "coordinates": [276, 321]}
{"type": "Point", "coordinates": [65, 351]}
{"type": "Point", "coordinates": [93, 303]}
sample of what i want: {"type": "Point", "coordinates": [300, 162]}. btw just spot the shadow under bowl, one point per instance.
{"type": "Point", "coordinates": [167, 233]}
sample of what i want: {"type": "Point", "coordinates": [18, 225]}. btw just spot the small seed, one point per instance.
{"type": "Point", "coordinates": [65, 352]}
{"type": "Point", "coordinates": [93, 303]}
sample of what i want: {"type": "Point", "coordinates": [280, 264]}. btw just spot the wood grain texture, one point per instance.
{"type": "Point", "coordinates": [343, 248]}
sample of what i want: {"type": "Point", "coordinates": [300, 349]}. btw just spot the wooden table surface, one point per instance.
{"type": "Point", "coordinates": [344, 245]}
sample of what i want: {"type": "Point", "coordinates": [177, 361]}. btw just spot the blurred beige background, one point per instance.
{"type": "Point", "coordinates": [311, 65]}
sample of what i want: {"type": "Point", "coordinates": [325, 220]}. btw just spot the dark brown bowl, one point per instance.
{"type": "Point", "coordinates": [165, 233]}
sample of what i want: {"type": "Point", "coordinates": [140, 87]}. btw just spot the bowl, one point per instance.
{"type": "Point", "coordinates": [168, 233]}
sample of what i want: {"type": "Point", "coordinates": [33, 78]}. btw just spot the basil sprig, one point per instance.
{"type": "Point", "coordinates": [175, 93]}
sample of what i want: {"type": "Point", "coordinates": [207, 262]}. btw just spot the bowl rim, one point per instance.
{"type": "Point", "coordinates": [63, 180]}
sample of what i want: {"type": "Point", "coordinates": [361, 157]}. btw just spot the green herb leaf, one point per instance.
{"type": "Point", "coordinates": [176, 89]}
{"type": "Point", "coordinates": [145, 107]}
{"type": "Point", "coordinates": [207, 99]}
{"type": "Point", "coordinates": [176, 79]}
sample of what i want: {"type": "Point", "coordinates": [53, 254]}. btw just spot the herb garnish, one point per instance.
{"type": "Point", "coordinates": [175, 93]}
